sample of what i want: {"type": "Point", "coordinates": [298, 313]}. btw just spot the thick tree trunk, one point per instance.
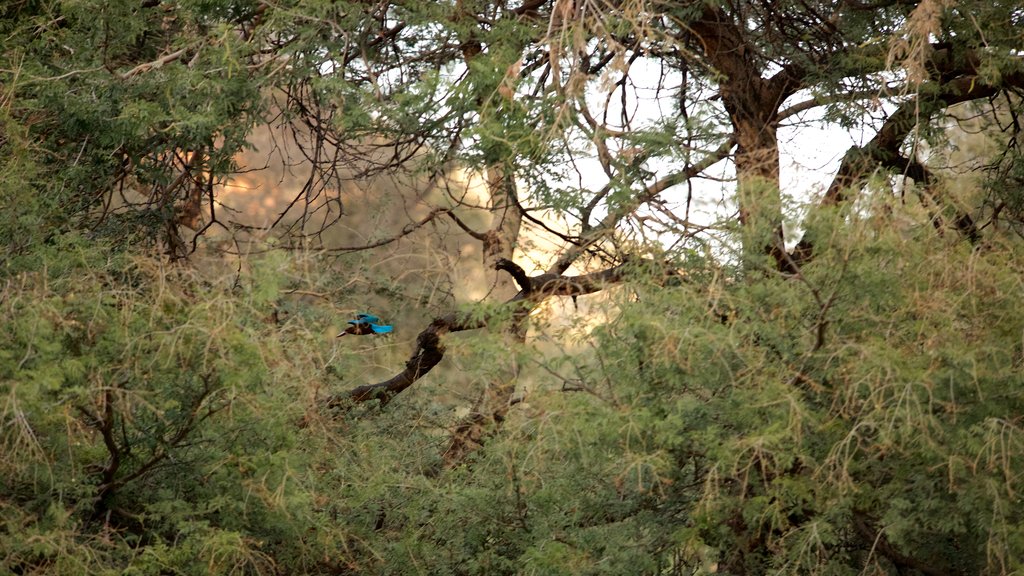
{"type": "Point", "coordinates": [752, 103]}
{"type": "Point", "coordinates": [758, 195]}
{"type": "Point", "coordinates": [495, 399]}
{"type": "Point", "coordinates": [498, 244]}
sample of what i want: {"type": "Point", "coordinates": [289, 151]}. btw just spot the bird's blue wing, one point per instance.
{"type": "Point", "coordinates": [364, 317]}
{"type": "Point", "coordinates": [380, 329]}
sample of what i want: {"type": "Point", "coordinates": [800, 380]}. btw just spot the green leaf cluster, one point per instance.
{"type": "Point", "coordinates": [146, 425]}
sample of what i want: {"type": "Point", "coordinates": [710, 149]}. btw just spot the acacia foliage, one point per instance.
{"type": "Point", "coordinates": [868, 418]}
{"type": "Point", "coordinates": [143, 424]}
{"type": "Point", "coordinates": [853, 408]}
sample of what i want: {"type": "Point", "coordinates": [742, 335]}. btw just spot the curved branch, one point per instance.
{"type": "Point", "coordinates": [429, 352]}
{"type": "Point", "coordinates": [517, 272]}
{"type": "Point", "coordinates": [430, 349]}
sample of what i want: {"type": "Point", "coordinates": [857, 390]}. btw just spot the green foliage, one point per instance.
{"type": "Point", "coordinates": [141, 407]}
{"type": "Point", "coordinates": [112, 111]}
{"type": "Point", "coordinates": [867, 411]}
{"type": "Point", "coordinates": [875, 404]}
{"type": "Point", "coordinates": [860, 414]}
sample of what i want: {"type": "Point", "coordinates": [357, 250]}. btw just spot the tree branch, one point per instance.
{"type": "Point", "coordinates": [466, 228]}
{"type": "Point", "coordinates": [165, 59]}
{"type": "Point", "coordinates": [836, 98]}
{"type": "Point", "coordinates": [406, 230]}
{"type": "Point", "coordinates": [876, 538]}
{"type": "Point", "coordinates": [429, 352]}
{"type": "Point", "coordinates": [608, 223]}
{"type": "Point", "coordinates": [430, 349]}
{"type": "Point", "coordinates": [884, 149]}
{"type": "Point", "coordinates": [517, 272]}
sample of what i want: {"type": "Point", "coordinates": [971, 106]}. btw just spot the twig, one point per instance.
{"type": "Point", "coordinates": [167, 58]}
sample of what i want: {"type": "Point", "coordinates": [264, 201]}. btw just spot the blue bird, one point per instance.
{"type": "Point", "coordinates": [365, 324]}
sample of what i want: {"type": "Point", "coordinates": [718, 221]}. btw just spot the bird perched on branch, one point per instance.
{"type": "Point", "coordinates": [366, 324]}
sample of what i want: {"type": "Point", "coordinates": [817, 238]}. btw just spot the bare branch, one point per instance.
{"type": "Point", "coordinates": [406, 230]}
{"type": "Point", "coordinates": [145, 67]}
{"type": "Point", "coordinates": [608, 223]}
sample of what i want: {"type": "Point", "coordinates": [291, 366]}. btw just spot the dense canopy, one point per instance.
{"type": "Point", "coordinates": [629, 320]}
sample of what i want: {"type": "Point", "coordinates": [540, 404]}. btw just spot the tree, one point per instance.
{"type": "Point", "coordinates": [842, 401]}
